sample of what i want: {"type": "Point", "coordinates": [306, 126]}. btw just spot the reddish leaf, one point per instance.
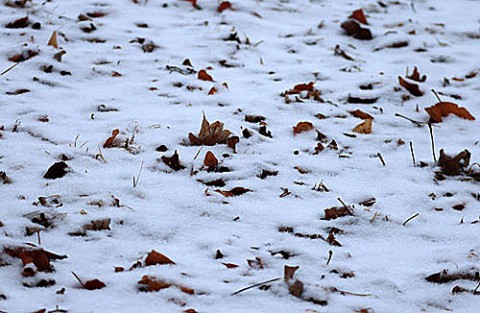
{"type": "Point", "coordinates": [443, 109]}
{"type": "Point", "coordinates": [232, 143]}
{"type": "Point", "coordinates": [361, 114]}
{"type": "Point", "coordinates": [25, 55]}
{"type": "Point", "coordinates": [153, 283]}
{"type": "Point", "coordinates": [237, 191]}
{"type": "Point", "coordinates": [414, 89]}
{"type": "Point", "coordinates": [19, 23]}
{"type": "Point", "coordinates": [203, 75]}
{"type": "Point", "coordinates": [194, 3]}
{"type": "Point", "coordinates": [359, 16]}
{"type": "Point", "coordinates": [212, 91]}
{"type": "Point", "coordinates": [39, 257]}
{"type": "Point", "coordinates": [230, 265]}
{"type": "Point", "coordinates": [155, 257]}
{"type": "Point", "coordinates": [173, 162]}
{"type": "Point", "coordinates": [224, 6]}
{"type": "Point", "coordinates": [335, 212]}
{"type": "Point", "coordinates": [110, 142]}
{"type": "Point", "coordinates": [300, 87]}
{"type": "Point", "coordinates": [210, 160]}
{"type": "Point", "coordinates": [94, 284]}
{"type": "Point", "coordinates": [302, 127]}
{"type": "Point", "coordinates": [416, 76]}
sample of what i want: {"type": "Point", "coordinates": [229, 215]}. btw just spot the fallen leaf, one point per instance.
{"type": "Point", "coordinates": [212, 91]}
{"type": "Point", "coordinates": [256, 263]}
{"type": "Point", "coordinates": [289, 271]}
{"type": "Point", "coordinates": [230, 265]}
{"type": "Point", "coordinates": [302, 127]}
{"type": "Point", "coordinates": [17, 92]}
{"type": "Point", "coordinates": [299, 88]}
{"type": "Point", "coordinates": [351, 27]}
{"type": "Point", "coordinates": [224, 6]}
{"type": "Point", "coordinates": [203, 75]}
{"type": "Point", "coordinates": [153, 283]}
{"type": "Point", "coordinates": [57, 170]}
{"type": "Point", "coordinates": [443, 109]}
{"type": "Point", "coordinates": [155, 257]}
{"type": "Point", "coordinates": [359, 100]}
{"type": "Point", "coordinates": [232, 143]}
{"type": "Point", "coordinates": [210, 160]}
{"type": "Point", "coordinates": [335, 212]}
{"type": "Point", "coordinates": [5, 179]}
{"type": "Point", "coordinates": [25, 55]}
{"type": "Point", "coordinates": [38, 256]}
{"type": "Point", "coordinates": [363, 34]}
{"type": "Point", "coordinates": [416, 76]}
{"type": "Point", "coordinates": [453, 165]}
{"type": "Point", "coordinates": [110, 142]}
{"type": "Point", "coordinates": [338, 51]}
{"type": "Point", "coordinates": [53, 40]}
{"type": "Point", "coordinates": [237, 191]}
{"type": "Point", "coordinates": [368, 202]}
{"type": "Point", "coordinates": [254, 118]}
{"type": "Point", "coordinates": [412, 88]}
{"type": "Point", "coordinates": [364, 128]}
{"type": "Point", "coordinates": [194, 3]}
{"type": "Point", "coordinates": [359, 16]}
{"type": "Point", "coordinates": [101, 224]}
{"type": "Point", "coordinates": [58, 56]}
{"type": "Point", "coordinates": [19, 23]}
{"type": "Point", "coordinates": [296, 289]}
{"type": "Point", "coordinates": [173, 162]}
{"type": "Point", "coordinates": [210, 134]}
{"type": "Point", "coordinates": [360, 114]}
{"type": "Point", "coordinates": [94, 284]}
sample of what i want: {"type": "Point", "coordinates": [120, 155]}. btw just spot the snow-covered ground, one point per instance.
{"type": "Point", "coordinates": [126, 68]}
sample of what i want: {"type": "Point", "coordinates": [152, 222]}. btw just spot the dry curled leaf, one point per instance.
{"type": "Point", "coordinates": [299, 88]}
{"type": "Point", "coordinates": [412, 88]}
{"type": "Point", "coordinates": [359, 16]}
{"type": "Point", "coordinates": [289, 271]}
{"type": "Point", "coordinates": [416, 76]}
{"type": "Point", "coordinates": [352, 99]}
{"type": "Point", "coordinates": [364, 128]}
{"type": "Point", "coordinates": [23, 56]}
{"type": "Point", "coordinates": [453, 165]}
{"type": "Point", "coordinates": [232, 143]}
{"type": "Point", "coordinates": [302, 127]}
{"type": "Point", "coordinates": [57, 170]}
{"type": "Point", "coordinates": [335, 212]}
{"type": "Point", "coordinates": [155, 257]}
{"type": "Point", "coordinates": [443, 109]}
{"type": "Point", "coordinates": [203, 75]}
{"type": "Point", "coordinates": [19, 23]}
{"type": "Point", "coordinates": [173, 162]}
{"type": "Point", "coordinates": [4, 178]}
{"type": "Point", "coordinates": [39, 257]}
{"type": "Point", "coordinates": [210, 160]}
{"type": "Point", "coordinates": [110, 142]}
{"type": "Point", "coordinates": [210, 134]}
{"type": "Point", "coordinates": [230, 265]}
{"type": "Point", "coordinates": [53, 41]}
{"type": "Point", "coordinates": [360, 114]}
{"type": "Point", "coordinates": [153, 283]}
{"type": "Point", "coordinates": [101, 224]}
{"type": "Point", "coordinates": [234, 192]}
{"type": "Point", "coordinates": [94, 284]}
{"type": "Point", "coordinates": [225, 5]}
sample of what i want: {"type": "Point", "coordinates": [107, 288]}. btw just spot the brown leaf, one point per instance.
{"type": "Point", "coordinates": [350, 27]}
{"type": "Point", "coordinates": [153, 283]}
{"type": "Point", "coordinates": [368, 202]}
{"type": "Point", "coordinates": [173, 162]}
{"type": "Point", "coordinates": [359, 16]}
{"type": "Point", "coordinates": [210, 160]}
{"type": "Point", "coordinates": [254, 118]}
{"type": "Point", "coordinates": [110, 142]}
{"type": "Point", "coordinates": [190, 311]}
{"type": "Point", "coordinates": [19, 23]}
{"type": "Point", "coordinates": [359, 100]}
{"type": "Point", "coordinates": [203, 75]}
{"type": "Point", "coordinates": [443, 109]}
{"type": "Point", "coordinates": [256, 263]}
{"type": "Point", "coordinates": [194, 4]}
{"type": "Point", "coordinates": [363, 34]}
{"type": "Point", "coordinates": [57, 170]}
{"type": "Point", "coordinates": [25, 55]}
{"type": "Point", "coordinates": [155, 257]}
{"type": "Point", "coordinates": [224, 6]}
{"type": "Point", "coordinates": [237, 191]}
{"type": "Point", "coordinates": [94, 284]}
{"type": "Point", "coordinates": [335, 212]}
{"type": "Point", "coordinates": [232, 143]}
{"type": "Point", "coordinates": [212, 91]}
{"type": "Point", "coordinates": [101, 224]}
{"type": "Point", "coordinates": [17, 92]}
{"type": "Point", "coordinates": [412, 88]}
{"type": "Point", "coordinates": [230, 265]}
{"type": "Point", "coordinates": [364, 128]}
{"type": "Point", "coordinates": [339, 52]}
{"type": "Point", "coordinates": [302, 127]}
{"type": "Point", "coordinates": [416, 76]}
{"type": "Point", "coordinates": [53, 41]}
{"type": "Point", "coordinates": [453, 165]}
{"type": "Point", "coordinates": [289, 271]}
{"type": "Point", "coordinates": [299, 88]}
{"type": "Point", "coordinates": [39, 257]}
{"type": "Point", "coordinates": [296, 289]}
{"type": "Point", "coordinates": [360, 114]}
{"type": "Point", "coordinates": [210, 134]}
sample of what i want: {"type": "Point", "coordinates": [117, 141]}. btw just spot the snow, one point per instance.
{"type": "Point", "coordinates": [282, 44]}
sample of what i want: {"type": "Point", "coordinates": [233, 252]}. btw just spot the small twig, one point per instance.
{"type": "Point", "coordinates": [436, 95]}
{"type": "Point", "coordinates": [476, 288]}
{"type": "Point", "coordinates": [410, 218]}
{"type": "Point", "coordinates": [255, 285]}
{"type": "Point", "coordinates": [198, 152]}
{"type": "Point", "coordinates": [374, 217]}
{"type": "Point", "coordinates": [9, 69]}
{"type": "Point", "coordinates": [343, 293]}
{"type": "Point", "coordinates": [135, 180]}
{"type": "Point", "coordinates": [381, 159]}
{"type": "Point", "coordinates": [413, 154]}
{"type": "Point", "coordinates": [39, 239]}
{"type": "Point", "coordinates": [78, 278]}
{"type": "Point", "coordinates": [330, 254]}
{"type": "Point", "coordinates": [344, 205]}
{"type": "Point", "coordinates": [419, 124]}
{"type": "Point", "coordinates": [433, 142]}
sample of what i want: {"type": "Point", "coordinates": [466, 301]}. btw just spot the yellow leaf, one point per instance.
{"type": "Point", "coordinates": [364, 128]}
{"type": "Point", "coordinates": [53, 40]}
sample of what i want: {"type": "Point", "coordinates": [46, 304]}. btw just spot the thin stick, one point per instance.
{"type": "Point", "coordinates": [255, 285]}
{"type": "Point", "coordinates": [198, 152]}
{"type": "Point", "coordinates": [330, 254]}
{"type": "Point", "coordinates": [343, 293]}
{"type": "Point", "coordinates": [436, 95]}
{"type": "Point", "coordinates": [419, 124]}
{"type": "Point", "coordinates": [413, 154]}
{"type": "Point", "coordinates": [39, 239]}
{"type": "Point", "coordinates": [78, 278]}
{"type": "Point", "coordinates": [381, 159]}
{"type": "Point", "coordinates": [374, 217]}
{"type": "Point", "coordinates": [476, 288]}
{"type": "Point", "coordinates": [433, 142]}
{"type": "Point", "coordinates": [9, 69]}
{"type": "Point", "coordinates": [344, 205]}
{"type": "Point", "coordinates": [135, 180]}
{"type": "Point", "coordinates": [410, 218]}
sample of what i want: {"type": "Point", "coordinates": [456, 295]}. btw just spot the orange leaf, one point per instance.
{"type": "Point", "coordinates": [299, 88]}
{"type": "Point", "coordinates": [109, 143]}
{"type": "Point", "coordinates": [53, 40]}
{"type": "Point", "coordinates": [364, 128]}
{"type": "Point", "coordinates": [203, 75]}
{"type": "Point", "coordinates": [224, 6]}
{"type": "Point", "coordinates": [361, 114]}
{"type": "Point", "coordinates": [443, 109]}
{"type": "Point", "coordinates": [210, 160]}
{"type": "Point", "coordinates": [212, 91]}
{"type": "Point", "coordinates": [414, 89]}
{"type": "Point", "coordinates": [230, 265]}
{"type": "Point", "coordinates": [359, 16]}
{"type": "Point", "coordinates": [302, 127]}
{"type": "Point", "coordinates": [155, 257]}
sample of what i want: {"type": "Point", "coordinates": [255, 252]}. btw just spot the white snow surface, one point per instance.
{"type": "Point", "coordinates": [281, 43]}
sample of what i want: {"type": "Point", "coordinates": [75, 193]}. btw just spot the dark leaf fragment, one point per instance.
{"type": "Point", "coordinates": [57, 170]}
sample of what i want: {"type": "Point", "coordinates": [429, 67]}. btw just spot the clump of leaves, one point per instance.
{"type": "Point", "coordinates": [302, 91]}
{"type": "Point", "coordinates": [353, 28]}
{"type": "Point", "coordinates": [412, 88]}
{"type": "Point", "coordinates": [39, 257]}
{"type": "Point", "coordinates": [453, 165]}
{"type": "Point", "coordinates": [210, 134]}
{"type": "Point", "coordinates": [173, 162]}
